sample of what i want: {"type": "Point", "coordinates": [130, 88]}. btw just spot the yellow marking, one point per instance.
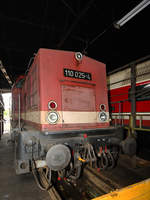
{"type": "Point", "coordinates": [138, 191]}
{"type": "Point", "coordinates": [80, 159]}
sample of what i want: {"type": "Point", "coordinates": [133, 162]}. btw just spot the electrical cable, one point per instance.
{"type": "Point", "coordinates": [39, 184]}
{"type": "Point", "coordinates": [103, 161]}
{"type": "Point", "coordinates": [31, 59]}
{"type": "Point", "coordinates": [76, 174]}
{"type": "Point", "coordinates": [97, 37]}
{"type": "Point", "coordinates": [37, 179]}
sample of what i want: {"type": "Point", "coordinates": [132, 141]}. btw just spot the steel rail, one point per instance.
{"type": "Point", "coordinates": [107, 182]}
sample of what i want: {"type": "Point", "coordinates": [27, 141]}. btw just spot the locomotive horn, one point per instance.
{"type": "Point", "coordinates": [58, 157]}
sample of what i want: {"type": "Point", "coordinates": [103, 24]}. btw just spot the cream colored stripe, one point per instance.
{"type": "Point", "coordinates": [31, 116]}
{"type": "Point", "coordinates": [81, 117]}
{"type": "Point", "coordinates": [65, 117]}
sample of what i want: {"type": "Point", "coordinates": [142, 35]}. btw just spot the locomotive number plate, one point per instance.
{"type": "Point", "coordinates": [77, 74]}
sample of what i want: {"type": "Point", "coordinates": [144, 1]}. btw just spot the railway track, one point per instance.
{"type": "Point", "coordinates": [99, 182]}
{"type": "Point", "coordinates": [92, 184]}
{"type": "Point", "coordinates": [109, 183]}
{"type": "Point", "coordinates": [44, 184]}
{"type": "Point", "coordinates": [54, 195]}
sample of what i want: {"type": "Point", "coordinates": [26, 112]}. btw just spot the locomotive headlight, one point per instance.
{"type": "Point", "coordinates": [102, 116]}
{"type": "Point", "coordinates": [78, 56]}
{"type": "Point", "coordinates": [52, 117]}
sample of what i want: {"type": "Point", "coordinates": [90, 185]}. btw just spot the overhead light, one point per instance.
{"type": "Point", "coordinates": [132, 13]}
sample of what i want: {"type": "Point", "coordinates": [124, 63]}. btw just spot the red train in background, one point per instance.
{"type": "Point", "coordinates": [60, 115]}
{"type": "Point", "coordinates": [119, 85]}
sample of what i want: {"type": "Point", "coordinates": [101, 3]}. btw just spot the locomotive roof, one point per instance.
{"type": "Point", "coordinates": [85, 26]}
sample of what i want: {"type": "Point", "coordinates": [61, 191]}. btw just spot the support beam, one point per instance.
{"type": "Point", "coordinates": [21, 21]}
{"type": "Point", "coordinates": [133, 98]}
{"type": "Point", "coordinates": [129, 64]}
{"type": "Point", "coordinates": [2, 68]}
{"type": "Point", "coordinates": [69, 7]}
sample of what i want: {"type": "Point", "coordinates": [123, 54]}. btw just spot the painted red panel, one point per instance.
{"type": "Point", "coordinates": [52, 64]}
{"type": "Point", "coordinates": [45, 80]}
{"type": "Point", "coordinates": [76, 98]}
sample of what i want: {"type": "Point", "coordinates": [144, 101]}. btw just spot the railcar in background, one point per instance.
{"type": "Point", "coordinates": [1, 116]}
{"type": "Point", "coordinates": [119, 85]}
{"type": "Point", "coordinates": [60, 116]}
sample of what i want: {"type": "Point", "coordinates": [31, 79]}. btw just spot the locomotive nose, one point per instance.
{"type": "Point", "coordinates": [58, 157]}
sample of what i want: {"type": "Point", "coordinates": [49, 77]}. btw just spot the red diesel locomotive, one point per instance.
{"type": "Point", "coordinates": [119, 85]}
{"type": "Point", "coordinates": [60, 115]}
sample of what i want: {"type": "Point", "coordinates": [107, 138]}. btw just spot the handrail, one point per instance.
{"type": "Point", "coordinates": [141, 115]}
{"type": "Point", "coordinates": [129, 114]}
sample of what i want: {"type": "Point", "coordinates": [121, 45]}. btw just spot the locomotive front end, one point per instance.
{"type": "Point", "coordinates": [64, 122]}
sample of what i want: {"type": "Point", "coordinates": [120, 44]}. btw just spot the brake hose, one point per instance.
{"type": "Point", "coordinates": [37, 179]}
{"type": "Point", "coordinates": [103, 161]}
{"type": "Point", "coordinates": [111, 160]}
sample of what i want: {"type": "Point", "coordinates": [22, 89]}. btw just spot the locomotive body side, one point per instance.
{"type": "Point", "coordinates": [119, 89]}
{"type": "Point", "coordinates": [64, 118]}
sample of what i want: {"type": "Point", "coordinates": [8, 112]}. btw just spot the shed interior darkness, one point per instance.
{"type": "Point", "coordinates": [85, 26]}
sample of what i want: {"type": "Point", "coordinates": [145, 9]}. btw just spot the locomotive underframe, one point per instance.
{"type": "Point", "coordinates": [34, 145]}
